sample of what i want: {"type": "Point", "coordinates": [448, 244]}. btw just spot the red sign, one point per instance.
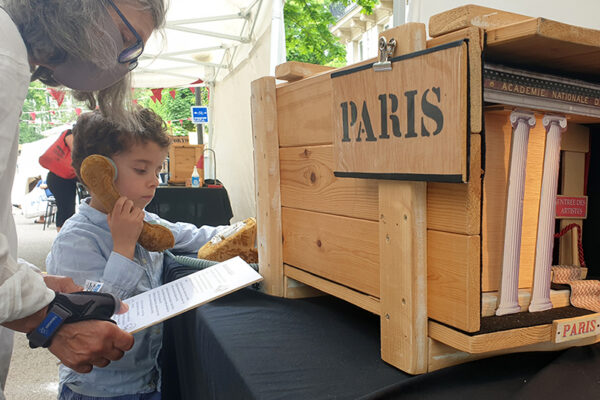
{"type": "Point", "coordinates": [571, 207]}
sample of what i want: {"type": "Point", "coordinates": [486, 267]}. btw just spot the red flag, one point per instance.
{"type": "Point", "coordinates": [51, 123]}
{"type": "Point", "coordinates": [173, 93]}
{"type": "Point", "coordinates": [193, 89]}
{"type": "Point", "coordinates": [53, 112]}
{"type": "Point", "coordinates": [58, 95]}
{"type": "Point", "coordinates": [181, 122]}
{"type": "Point", "coordinates": [135, 101]}
{"type": "Point", "coordinates": [78, 111]}
{"type": "Point", "coordinates": [32, 115]}
{"type": "Point", "coordinates": [153, 98]}
{"type": "Point", "coordinates": [158, 94]}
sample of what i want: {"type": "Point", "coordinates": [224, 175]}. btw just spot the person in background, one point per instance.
{"type": "Point", "coordinates": [61, 178]}
{"type": "Point", "coordinates": [100, 245]}
{"type": "Point", "coordinates": [89, 46]}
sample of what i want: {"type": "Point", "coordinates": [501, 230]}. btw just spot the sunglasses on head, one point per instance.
{"type": "Point", "coordinates": [132, 53]}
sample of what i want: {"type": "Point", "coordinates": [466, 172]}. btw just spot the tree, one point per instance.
{"type": "Point", "coordinates": [307, 33]}
{"type": "Point", "coordinates": [170, 109]}
{"type": "Point", "coordinates": [47, 112]}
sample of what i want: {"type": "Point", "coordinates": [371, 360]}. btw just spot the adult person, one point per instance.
{"type": "Point", "coordinates": [89, 46]}
{"type": "Point", "coordinates": [61, 178]}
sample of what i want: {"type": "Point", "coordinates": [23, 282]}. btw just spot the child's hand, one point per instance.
{"type": "Point", "coordinates": [125, 223]}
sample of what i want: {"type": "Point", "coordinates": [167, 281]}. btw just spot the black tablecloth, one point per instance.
{"type": "Point", "coordinates": [249, 345]}
{"type": "Point", "coordinates": [198, 206]}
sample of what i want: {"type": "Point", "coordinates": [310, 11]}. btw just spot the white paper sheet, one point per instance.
{"type": "Point", "coordinates": [164, 302]}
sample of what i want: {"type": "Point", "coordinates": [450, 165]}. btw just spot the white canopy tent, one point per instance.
{"type": "Point", "coordinates": [226, 44]}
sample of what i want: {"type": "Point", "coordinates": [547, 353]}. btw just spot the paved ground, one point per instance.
{"type": "Point", "coordinates": [33, 374]}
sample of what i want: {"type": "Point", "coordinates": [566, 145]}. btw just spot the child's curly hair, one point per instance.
{"type": "Point", "coordinates": [94, 134]}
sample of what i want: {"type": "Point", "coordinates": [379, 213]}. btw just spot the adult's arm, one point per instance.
{"type": "Point", "coordinates": [22, 290]}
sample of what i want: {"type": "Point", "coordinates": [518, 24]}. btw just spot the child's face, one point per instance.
{"type": "Point", "coordinates": [138, 170]}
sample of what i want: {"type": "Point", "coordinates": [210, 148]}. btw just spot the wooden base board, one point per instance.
{"type": "Point", "coordinates": [361, 300]}
{"type": "Point", "coordinates": [441, 355]}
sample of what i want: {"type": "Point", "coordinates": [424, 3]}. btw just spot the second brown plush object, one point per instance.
{"type": "Point", "coordinates": [99, 175]}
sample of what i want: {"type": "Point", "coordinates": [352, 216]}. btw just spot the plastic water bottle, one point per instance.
{"type": "Point", "coordinates": [195, 178]}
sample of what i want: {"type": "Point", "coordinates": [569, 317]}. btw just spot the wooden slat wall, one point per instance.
{"type": "Point", "coordinates": [344, 250]}
{"type": "Point", "coordinates": [304, 112]}
{"type": "Point", "coordinates": [453, 279]}
{"type": "Point", "coordinates": [456, 207]}
{"type": "Point", "coordinates": [308, 183]}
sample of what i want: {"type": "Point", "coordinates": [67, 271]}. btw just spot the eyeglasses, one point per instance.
{"type": "Point", "coordinates": [132, 53]}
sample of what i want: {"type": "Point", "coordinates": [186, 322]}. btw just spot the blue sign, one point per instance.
{"type": "Point", "coordinates": [199, 114]}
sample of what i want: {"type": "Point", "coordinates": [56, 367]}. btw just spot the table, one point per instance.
{"type": "Point", "coordinates": [249, 345]}
{"type": "Point", "coordinates": [198, 206]}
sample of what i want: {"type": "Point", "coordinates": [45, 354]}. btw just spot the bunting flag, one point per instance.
{"type": "Point", "coordinates": [58, 95]}
{"type": "Point", "coordinates": [193, 89]}
{"type": "Point", "coordinates": [173, 93]}
{"type": "Point", "coordinates": [153, 98]}
{"type": "Point", "coordinates": [78, 111]}
{"type": "Point", "coordinates": [53, 112]}
{"type": "Point", "coordinates": [135, 101]}
{"type": "Point", "coordinates": [157, 94]}
{"type": "Point", "coordinates": [181, 122]}
{"type": "Point", "coordinates": [32, 115]}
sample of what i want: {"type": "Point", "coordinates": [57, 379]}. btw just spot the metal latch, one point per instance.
{"type": "Point", "coordinates": [386, 49]}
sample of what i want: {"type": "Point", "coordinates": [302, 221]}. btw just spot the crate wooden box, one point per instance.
{"type": "Point", "coordinates": [415, 231]}
{"type": "Point", "coordinates": [182, 158]}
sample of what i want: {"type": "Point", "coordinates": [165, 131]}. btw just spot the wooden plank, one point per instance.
{"type": "Point", "coordinates": [471, 15]}
{"type": "Point", "coordinates": [308, 183]}
{"type": "Point", "coordinates": [453, 279]}
{"type": "Point", "coordinates": [490, 341]}
{"type": "Point", "coordinates": [292, 71]}
{"type": "Point", "coordinates": [343, 250]}
{"type": "Point", "coordinates": [403, 263]}
{"type": "Point", "coordinates": [547, 45]}
{"type": "Point", "coordinates": [498, 142]}
{"type": "Point", "coordinates": [475, 37]}
{"type": "Point", "coordinates": [410, 121]}
{"type": "Point", "coordinates": [489, 300]}
{"type": "Point", "coordinates": [572, 184]}
{"type": "Point", "coordinates": [293, 289]}
{"type": "Point", "coordinates": [408, 36]}
{"type": "Point", "coordinates": [304, 112]}
{"type": "Point", "coordinates": [268, 198]}
{"type": "Point", "coordinates": [361, 300]}
{"type": "Point", "coordinates": [576, 138]}
{"type": "Point", "coordinates": [442, 356]}
{"type": "Point", "coordinates": [456, 207]}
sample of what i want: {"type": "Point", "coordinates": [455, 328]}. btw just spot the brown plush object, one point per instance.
{"type": "Point", "coordinates": [99, 174]}
{"type": "Point", "coordinates": [237, 240]}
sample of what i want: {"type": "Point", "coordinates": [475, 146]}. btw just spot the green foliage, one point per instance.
{"type": "Point", "coordinates": [307, 33]}
{"type": "Point", "coordinates": [171, 109]}
{"type": "Point", "coordinates": [48, 113]}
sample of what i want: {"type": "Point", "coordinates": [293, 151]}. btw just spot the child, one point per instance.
{"type": "Point", "coordinates": [100, 245]}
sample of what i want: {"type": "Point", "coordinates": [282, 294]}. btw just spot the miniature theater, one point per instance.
{"type": "Point", "coordinates": [444, 185]}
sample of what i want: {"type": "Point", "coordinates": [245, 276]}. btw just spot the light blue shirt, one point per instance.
{"type": "Point", "coordinates": [83, 251]}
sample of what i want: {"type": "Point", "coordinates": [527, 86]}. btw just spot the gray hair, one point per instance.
{"type": "Point", "coordinates": [53, 29]}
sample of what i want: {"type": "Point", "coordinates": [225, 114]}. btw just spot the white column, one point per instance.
{"type": "Point", "coordinates": [540, 298]}
{"type": "Point", "coordinates": [509, 289]}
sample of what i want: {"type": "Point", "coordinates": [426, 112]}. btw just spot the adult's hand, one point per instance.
{"type": "Point", "coordinates": [82, 345]}
{"type": "Point", "coordinates": [63, 284]}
